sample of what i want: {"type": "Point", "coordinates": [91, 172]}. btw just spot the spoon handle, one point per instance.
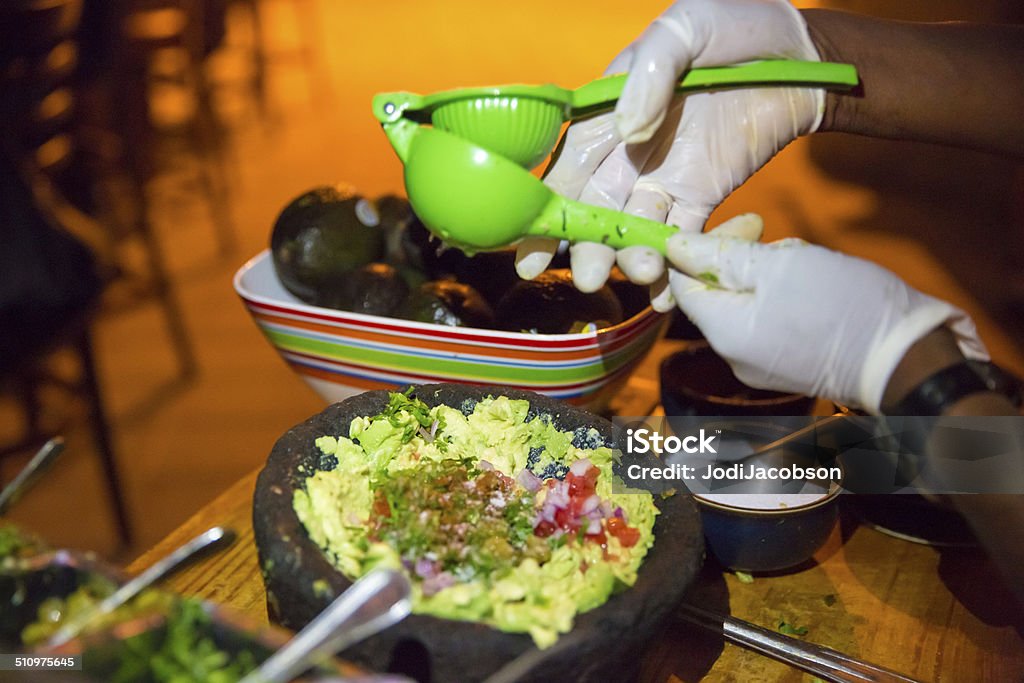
{"type": "Point", "coordinates": [39, 463]}
{"type": "Point", "coordinates": [371, 604]}
{"type": "Point", "coordinates": [603, 93]}
{"type": "Point", "coordinates": [207, 540]}
{"type": "Point", "coordinates": [567, 219]}
{"type": "Point", "coordinates": [823, 662]}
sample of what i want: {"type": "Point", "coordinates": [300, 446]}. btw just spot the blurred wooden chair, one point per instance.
{"type": "Point", "coordinates": [73, 149]}
{"type": "Point", "coordinates": [165, 104]}
{"type": "Point", "coordinates": [53, 256]}
{"type": "Point", "coordinates": [306, 50]}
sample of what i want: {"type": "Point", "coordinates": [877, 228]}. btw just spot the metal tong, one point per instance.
{"type": "Point", "coordinates": [206, 541]}
{"type": "Point", "coordinates": [371, 604]}
{"type": "Point", "coordinates": [39, 463]}
{"type": "Point", "coordinates": [817, 660]}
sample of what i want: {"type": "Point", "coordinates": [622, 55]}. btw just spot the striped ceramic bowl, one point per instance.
{"type": "Point", "coordinates": [340, 354]}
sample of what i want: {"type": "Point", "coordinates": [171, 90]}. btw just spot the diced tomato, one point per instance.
{"type": "Point", "coordinates": [544, 529]}
{"type": "Point", "coordinates": [565, 519]}
{"type": "Point", "coordinates": [627, 535]}
{"type": "Point", "coordinates": [598, 538]}
{"type": "Point", "coordinates": [381, 507]}
{"type": "Point", "coordinates": [582, 487]}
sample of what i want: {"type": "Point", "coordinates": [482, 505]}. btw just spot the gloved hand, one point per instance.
{"type": "Point", "coordinates": [794, 317]}
{"type": "Point", "coordinates": [675, 159]}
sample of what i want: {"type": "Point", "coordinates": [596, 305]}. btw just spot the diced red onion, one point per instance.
{"type": "Point", "coordinates": [594, 527]}
{"type": "Point", "coordinates": [592, 503]}
{"type": "Point", "coordinates": [621, 514]}
{"type": "Point", "coordinates": [485, 466]}
{"type": "Point", "coordinates": [559, 495]}
{"type": "Point", "coordinates": [437, 583]}
{"type": "Point", "coordinates": [425, 569]}
{"type": "Point", "coordinates": [580, 467]}
{"type": "Point", "coordinates": [529, 481]}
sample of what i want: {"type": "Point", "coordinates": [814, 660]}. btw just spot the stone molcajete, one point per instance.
{"type": "Point", "coordinates": [605, 643]}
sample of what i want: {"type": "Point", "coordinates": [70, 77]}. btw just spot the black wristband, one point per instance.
{"type": "Point", "coordinates": [949, 385]}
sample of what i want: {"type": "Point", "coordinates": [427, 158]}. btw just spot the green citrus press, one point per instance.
{"type": "Point", "coordinates": [522, 122]}
{"type": "Point", "coordinates": [467, 174]}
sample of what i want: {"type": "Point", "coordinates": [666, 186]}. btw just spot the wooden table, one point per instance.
{"type": "Point", "coordinates": [929, 614]}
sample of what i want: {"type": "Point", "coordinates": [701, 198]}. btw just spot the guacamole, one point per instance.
{"type": "Point", "coordinates": [495, 517]}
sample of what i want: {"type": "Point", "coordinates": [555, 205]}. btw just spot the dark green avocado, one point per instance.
{"type": "Point", "coordinates": [321, 237]}
{"type": "Point", "coordinates": [551, 304]}
{"type": "Point", "coordinates": [446, 302]}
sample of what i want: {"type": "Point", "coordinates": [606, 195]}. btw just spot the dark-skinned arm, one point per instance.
{"type": "Point", "coordinates": [997, 520]}
{"type": "Point", "coordinates": [955, 83]}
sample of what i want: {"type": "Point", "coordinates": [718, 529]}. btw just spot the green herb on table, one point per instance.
{"type": "Point", "coordinates": [791, 630]}
{"type": "Point", "coordinates": [744, 577]}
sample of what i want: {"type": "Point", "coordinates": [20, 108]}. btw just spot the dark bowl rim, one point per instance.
{"type": "Point", "coordinates": [831, 496]}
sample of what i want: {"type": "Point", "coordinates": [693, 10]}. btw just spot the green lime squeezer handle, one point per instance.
{"type": "Point", "coordinates": [575, 221]}
{"type": "Point", "coordinates": [604, 92]}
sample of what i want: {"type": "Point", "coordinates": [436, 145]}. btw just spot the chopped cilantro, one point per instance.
{"type": "Point", "coordinates": [744, 577]}
{"type": "Point", "coordinates": [405, 402]}
{"type": "Point", "coordinates": [464, 521]}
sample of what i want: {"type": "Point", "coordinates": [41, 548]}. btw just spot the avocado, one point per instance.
{"type": "Point", "coordinates": [492, 273]}
{"type": "Point", "coordinates": [374, 289]}
{"type": "Point", "coordinates": [446, 302]}
{"type": "Point", "coordinates": [420, 248]}
{"type": "Point", "coordinates": [551, 304]}
{"type": "Point", "coordinates": [395, 218]}
{"type": "Point", "coordinates": [320, 237]}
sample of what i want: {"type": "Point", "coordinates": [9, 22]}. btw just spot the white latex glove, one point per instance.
{"type": "Point", "coordinates": [684, 155]}
{"type": "Point", "coordinates": [794, 317]}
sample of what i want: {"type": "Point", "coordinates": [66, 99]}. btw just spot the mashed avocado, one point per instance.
{"type": "Point", "coordinates": [496, 519]}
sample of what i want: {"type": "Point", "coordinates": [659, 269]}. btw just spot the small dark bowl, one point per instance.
{"type": "Point", "coordinates": [762, 524]}
{"type": "Point", "coordinates": [767, 540]}
{"type": "Point", "coordinates": [697, 381]}
{"type": "Point", "coordinates": [604, 643]}
{"type": "Point", "coordinates": [26, 583]}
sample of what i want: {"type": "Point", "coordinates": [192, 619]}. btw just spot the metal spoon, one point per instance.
{"type": "Point", "coordinates": [213, 538]}
{"type": "Point", "coordinates": [820, 661]}
{"type": "Point", "coordinates": [371, 604]}
{"type": "Point", "coordinates": [39, 463]}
